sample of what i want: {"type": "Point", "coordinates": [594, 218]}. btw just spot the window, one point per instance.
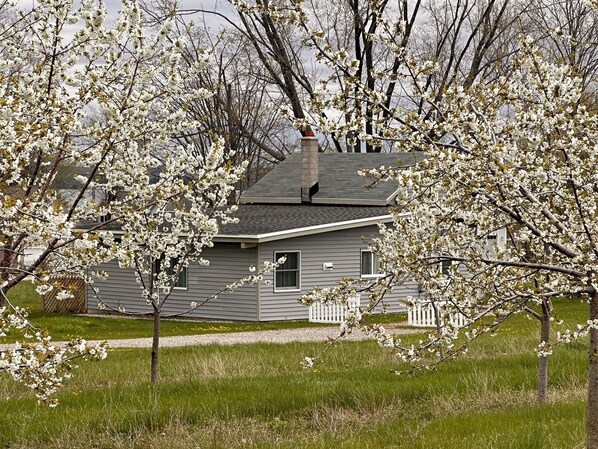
{"type": "Point", "coordinates": [181, 282]}
{"type": "Point", "coordinates": [444, 268]}
{"type": "Point", "coordinates": [288, 275]}
{"type": "Point", "coordinates": [370, 264]}
{"type": "Point", "coordinates": [497, 238]}
{"type": "Point", "coordinates": [491, 243]}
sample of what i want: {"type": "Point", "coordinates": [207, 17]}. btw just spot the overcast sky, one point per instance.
{"type": "Point", "coordinates": [113, 6]}
{"type": "Point", "coordinates": [221, 6]}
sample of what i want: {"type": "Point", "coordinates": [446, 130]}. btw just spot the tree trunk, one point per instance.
{"type": "Point", "coordinates": [543, 359]}
{"type": "Point", "coordinates": [592, 410]}
{"type": "Point", "coordinates": [3, 292]}
{"type": "Point", "coordinates": [7, 260]}
{"type": "Point", "coordinates": [155, 369]}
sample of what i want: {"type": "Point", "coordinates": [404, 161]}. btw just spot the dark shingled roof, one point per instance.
{"type": "Point", "coordinates": [273, 204]}
{"type": "Point", "coordinates": [255, 219]}
{"type": "Point", "coordinates": [259, 219]}
{"type": "Point", "coordinates": [339, 182]}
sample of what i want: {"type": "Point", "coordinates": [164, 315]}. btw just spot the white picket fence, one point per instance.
{"type": "Point", "coordinates": [332, 312]}
{"type": "Point", "coordinates": [424, 315]}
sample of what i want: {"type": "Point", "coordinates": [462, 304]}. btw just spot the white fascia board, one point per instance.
{"type": "Point", "coordinates": [269, 200]}
{"type": "Point", "coordinates": [308, 230]}
{"type": "Point", "coordinates": [392, 197]}
{"type": "Point", "coordinates": [349, 201]}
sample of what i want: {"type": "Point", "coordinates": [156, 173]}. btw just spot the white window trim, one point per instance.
{"type": "Point", "coordinates": [186, 279]}
{"type": "Point", "coordinates": [186, 287]}
{"type": "Point", "coordinates": [452, 263]}
{"type": "Point", "coordinates": [287, 289]}
{"type": "Point", "coordinates": [368, 276]}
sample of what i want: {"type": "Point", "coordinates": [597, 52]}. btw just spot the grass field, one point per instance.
{"type": "Point", "coordinates": [64, 326]}
{"type": "Point", "coordinates": [258, 396]}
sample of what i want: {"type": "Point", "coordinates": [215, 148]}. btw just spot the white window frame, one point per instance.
{"type": "Point", "coordinates": [369, 276]}
{"type": "Point", "coordinates": [183, 269]}
{"type": "Point", "coordinates": [277, 255]}
{"type": "Point", "coordinates": [440, 265]}
{"type": "Point", "coordinates": [186, 271]}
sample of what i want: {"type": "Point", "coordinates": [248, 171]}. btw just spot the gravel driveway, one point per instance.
{"type": "Point", "coordinates": [305, 334]}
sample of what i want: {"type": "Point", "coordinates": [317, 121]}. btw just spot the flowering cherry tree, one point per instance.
{"type": "Point", "coordinates": [189, 202]}
{"type": "Point", "coordinates": [87, 118]}
{"type": "Point", "coordinates": [515, 156]}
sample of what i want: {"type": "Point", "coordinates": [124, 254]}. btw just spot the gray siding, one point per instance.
{"type": "Point", "coordinates": [228, 264]}
{"type": "Point", "coordinates": [119, 290]}
{"type": "Point", "coordinates": [341, 248]}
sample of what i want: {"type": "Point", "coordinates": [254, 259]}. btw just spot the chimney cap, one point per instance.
{"type": "Point", "coordinates": [309, 133]}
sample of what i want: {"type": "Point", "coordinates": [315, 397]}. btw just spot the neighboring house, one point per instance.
{"type": "Point", "coordinates": [314, 209]}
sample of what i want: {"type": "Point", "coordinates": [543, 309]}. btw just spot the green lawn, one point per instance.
{"type": "Point", "coordinates": [64, 326]}
{"type": "Point", "coordinates": [258, 396]}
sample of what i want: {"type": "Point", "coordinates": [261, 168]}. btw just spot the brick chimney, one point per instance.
{"type": "Point", "coordinates": [309, 166]}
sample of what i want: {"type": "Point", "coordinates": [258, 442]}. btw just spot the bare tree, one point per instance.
{"type": "Point", "coordinates": [241, 108]}
{"type": "Point", "coordinates": [567, 31]}
{"type": "Point", "coordinates": [468, 39]}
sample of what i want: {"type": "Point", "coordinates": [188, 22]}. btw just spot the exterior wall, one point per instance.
{"type": "Point", "coordinates": [228, 263]}
{"type": "Point", "coordinates": [341, 248]}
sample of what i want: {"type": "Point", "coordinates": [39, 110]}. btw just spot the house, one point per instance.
{"type": "Point", "coordinates": [313, 209]}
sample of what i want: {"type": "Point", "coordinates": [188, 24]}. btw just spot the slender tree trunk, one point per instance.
{"type": "Point", "coordinates": [3, 292]}
{"type": "Point", "coordinates": [592, 411]}
{"type": "Point", "coordinates": [154, 293]}
{"type": "Point", "coordinates": [543, 359]}
{"type": "Point", "coordinates": [6, 261]}
{"type": "Point", "coordinates": [155, 370]}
